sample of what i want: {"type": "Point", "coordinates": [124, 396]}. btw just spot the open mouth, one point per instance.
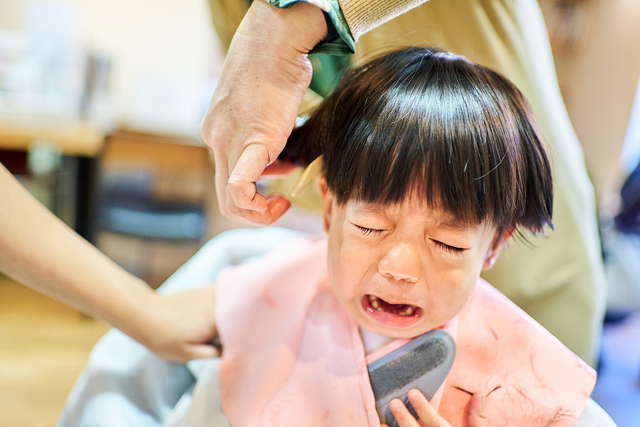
{"type": "Point", "coordinates": [400, 309]}
{"type": "Point", "coordinates": [388, 314]}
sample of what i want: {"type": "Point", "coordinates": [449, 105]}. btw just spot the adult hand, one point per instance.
{"type": "Point", "coordinates": [177, 327]}
{"type": "Point", "coordinates": [35, 249]}
{"type": "Point", "coordinates": [253, 110]}
{"type": "Point", "coordinates": [428, 417]}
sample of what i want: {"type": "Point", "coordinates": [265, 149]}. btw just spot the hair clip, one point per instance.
{"type": "Point", "coordinates": [310, 173]}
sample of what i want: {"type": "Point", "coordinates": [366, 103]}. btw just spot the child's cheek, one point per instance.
{"type": "Point", "coordinates": [344, 268]}
{"type": "Point", "coordinates": [454, 295]}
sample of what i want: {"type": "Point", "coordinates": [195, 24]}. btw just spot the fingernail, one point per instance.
{"type": "Point", "coordinates": [277, 206]}
{"type": "Point", "coordinates": [394, 405]}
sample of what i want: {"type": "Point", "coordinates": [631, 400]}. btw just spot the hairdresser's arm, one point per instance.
{"type": "Point", "coordinates": [476, 413]}
{"type": "Point", "coordinates": [40, 251]}
{"type": "Point", "coordinates": [264, 78]}
{"type": "Point", "coordinates": [254, 107]}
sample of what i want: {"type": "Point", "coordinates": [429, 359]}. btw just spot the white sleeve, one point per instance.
{"type": "Point", "coordinates": [594, 416]}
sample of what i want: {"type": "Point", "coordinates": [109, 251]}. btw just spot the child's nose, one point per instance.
{"type": "Point", "coordinates": [401, 262]}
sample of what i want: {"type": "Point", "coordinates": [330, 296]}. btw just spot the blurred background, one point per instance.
{"type": "Point", "coordinates": [100, 109]}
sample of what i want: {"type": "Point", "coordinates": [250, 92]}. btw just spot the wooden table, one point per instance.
{"type": "Point", "coordinates": [71, 136]}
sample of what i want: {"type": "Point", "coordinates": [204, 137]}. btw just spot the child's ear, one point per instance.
{"type": "Point", "coordinates": [327, 202]}
{"type": "Point", "coordinates": [494, 250]}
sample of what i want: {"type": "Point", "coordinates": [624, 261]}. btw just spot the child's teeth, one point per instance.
{"type": "Point", "coordinates": [407, 312]}
{"type": "Point", "coordinates": [375, 303]}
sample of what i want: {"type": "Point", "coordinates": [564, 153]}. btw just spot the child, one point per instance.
{"type": "Point", "coordinates": [428, 163]}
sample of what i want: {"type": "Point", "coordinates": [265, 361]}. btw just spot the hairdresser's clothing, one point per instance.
{"type": "Point", "coordinates": [622, 266]}
{"type": "Point", "coordinates": [350, 19]}
{"type": "Point", "coordinates": [125, 385]}
{"type": "Point", "coordinates": [293, 355]}
{"type": "Point", "coordinates": [560, 280]}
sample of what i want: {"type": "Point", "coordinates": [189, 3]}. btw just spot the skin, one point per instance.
{"type": "Point", "coordinates": [253, 110]}
{"type": "Point", "coordinates": [406, 254]}
{"type": "Point", "coordinates": [428, 417]}
{"type": "Point", "coordinates": [40, 251]}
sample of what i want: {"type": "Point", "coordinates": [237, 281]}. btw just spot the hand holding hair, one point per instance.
{"type": "Point", "coordinates": [477, 415]}
{"type": "Point", "coordinates": [254, 107]}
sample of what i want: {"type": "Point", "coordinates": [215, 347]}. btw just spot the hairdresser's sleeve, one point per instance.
{"type": "Point", "coordinates": [364, 15]}
{"type": "Point", "coordinates": [349, 19]}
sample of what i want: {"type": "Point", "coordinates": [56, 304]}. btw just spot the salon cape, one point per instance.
{"type": "Point", "coordinates": [293, 355]}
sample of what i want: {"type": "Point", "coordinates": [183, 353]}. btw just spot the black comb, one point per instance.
{"type": "Point", "coordinates": [423, 364]}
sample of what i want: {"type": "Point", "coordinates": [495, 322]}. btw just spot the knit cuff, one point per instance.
{"type": "Point", "coordinates": [364, 15]}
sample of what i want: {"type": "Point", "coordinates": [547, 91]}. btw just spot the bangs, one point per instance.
{"type": "Point", "coordinates": [436, 127]}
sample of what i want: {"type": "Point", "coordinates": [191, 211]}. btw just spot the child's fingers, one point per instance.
{"type": "Point", "coordinates": [477, 412]}
{"type": "Point", "coordinates": [428, 416]}
{"type": "Point", "coordinates": [402, 414]}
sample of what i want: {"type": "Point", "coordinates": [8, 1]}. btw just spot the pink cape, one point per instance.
{"type": "Point", "coordinates": [293, 355]}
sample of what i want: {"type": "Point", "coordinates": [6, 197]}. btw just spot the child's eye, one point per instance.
{"type": "Point", "coordinates": [448, 248]}
{"type": "Point", "coordinates": [367, 231]}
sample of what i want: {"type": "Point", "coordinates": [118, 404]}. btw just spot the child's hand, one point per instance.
{"type": "Point", "coordinates": [429, 417]}
{"type": "Point", "coordinates": [177, 327]}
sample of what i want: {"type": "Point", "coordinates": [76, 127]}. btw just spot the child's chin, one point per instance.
{"type": "Point", "coordinates": [406, 332]}
{"type": "Point", "coordinates": [398, 333]}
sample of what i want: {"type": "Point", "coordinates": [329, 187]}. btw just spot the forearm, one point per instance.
{"type": "Point", "coordinates": [40, 251]}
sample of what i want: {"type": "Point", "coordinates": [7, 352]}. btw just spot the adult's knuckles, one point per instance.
{"type": "Point", "coordinates": [242, 192]}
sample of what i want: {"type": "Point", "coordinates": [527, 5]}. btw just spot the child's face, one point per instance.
{"type": "Point", "coordinates": [403, 270]}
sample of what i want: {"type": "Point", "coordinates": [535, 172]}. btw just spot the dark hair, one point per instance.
{"type": "Point", "coordinates": [431, 123]}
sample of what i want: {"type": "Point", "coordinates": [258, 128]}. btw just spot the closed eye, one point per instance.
{"type": "Point", "coordinates": [448, 248]}
{"type": "Point", "coordinates": [368, 231]}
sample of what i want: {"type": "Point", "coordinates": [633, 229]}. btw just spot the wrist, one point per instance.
{"type": "Point", "coordinates": [303, 25]}
{"type": "Point", "coordinates": [136, 314]}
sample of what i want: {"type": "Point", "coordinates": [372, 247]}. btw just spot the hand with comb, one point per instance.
{"type": "Point", "coordinates": [428, 417]}
{"type": "Point", "coordinates": [414, 372]}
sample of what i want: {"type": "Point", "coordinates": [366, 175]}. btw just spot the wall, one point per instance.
{"type": "Point", "coordinates": [599, 82]}
{"type": "Point", "coordinates": [164, 52]}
